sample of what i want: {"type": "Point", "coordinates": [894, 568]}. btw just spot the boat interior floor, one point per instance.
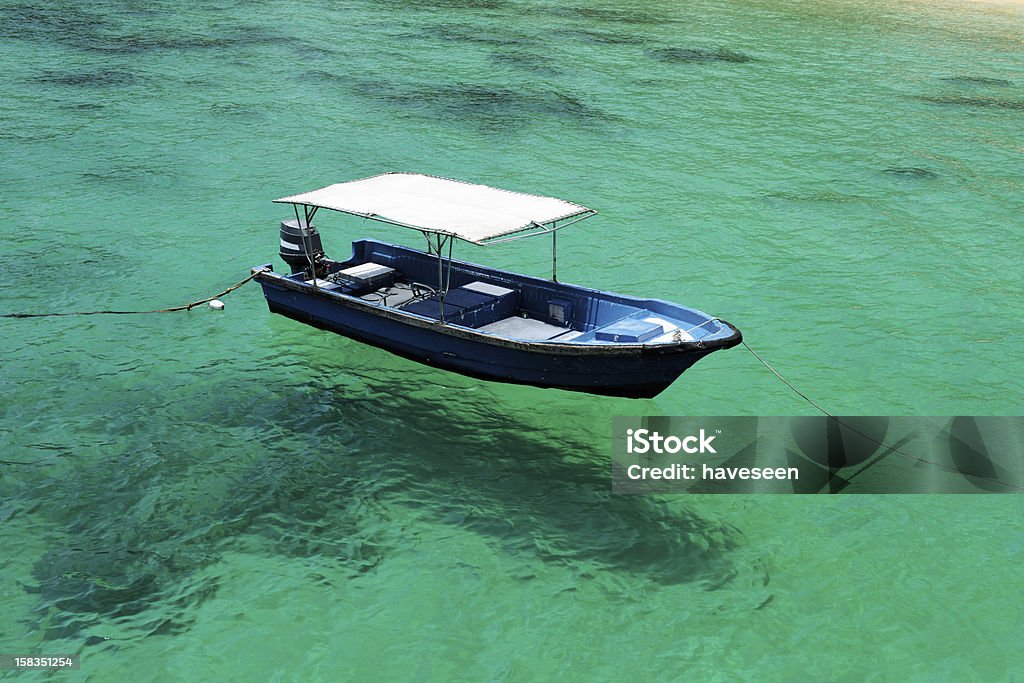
{"type": "Point", "coordinates": [398, 294]}
{"type": "Point", "coordinates": [516, 327]}
{"type": "Point", "coordinates": [495, 310]}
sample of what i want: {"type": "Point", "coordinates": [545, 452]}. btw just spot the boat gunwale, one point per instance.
{"type": "Point", "coordinates": [555, 347]}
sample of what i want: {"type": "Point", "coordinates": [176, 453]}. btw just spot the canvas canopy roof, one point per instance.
{"type": "Point", "coordinates": [475, 213]}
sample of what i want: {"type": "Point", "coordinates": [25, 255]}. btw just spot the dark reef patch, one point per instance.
{"type": "Point", "coordinates": [140, 547]}
{"type": "Point", "coordinates": [911, 172]}
{"type": "Point", "coordinates": [980, 102]}
{"type": "Point", "coordinates": [132, 174]}
{"type": "Point", "coordinates": [686, 55]}
{"type": "Point", "coordinates": [103, 78]}
{"type": "Point", "coordinates": [66, 25]}
{"type": "Point", "coordinates": [977, 80]}
{"type": "Point", "coordinates": [135, 43]}
{"type": "Point", "coordinates": [487, 106]}
{"type": "Point", "coordinates": [122, 177]}
{"type": "Point", "coordinates": [94, 32]}
{"type": "Point", "coordinates": [83, 106]}
{"type": "Point", "coordinates": [503, 106]}
{"type": "Point", "coordinates": [478, 35]}
{"type": "Point", "coordinates": [527, 61]}
{"type": "Point", "coordinates": [88, 585]}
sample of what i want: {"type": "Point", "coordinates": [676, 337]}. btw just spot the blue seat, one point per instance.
{"type": "Point", "coordinates": [474, 305]}
{"type": "Point", "coordinates": [431, 308]}
{"type": "Point", "coordinates": [630, 331]}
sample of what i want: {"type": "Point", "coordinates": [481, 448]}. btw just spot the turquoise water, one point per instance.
{"type": "Point", "coordinates": [236, 496]}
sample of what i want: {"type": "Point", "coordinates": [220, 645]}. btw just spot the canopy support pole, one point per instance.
{"type": "Point", "coordinates": [307, 239]}
{"type": "Point", "coordinates": [443, 283]}
{"type": "Point", "coordinates": [448, 280]}
{"type": "Point", "coordinates": [306, 243]}
{"type": "Point", "coordinates": [440, 276]}
{"type": "Point", "coordinates": [554, 256]}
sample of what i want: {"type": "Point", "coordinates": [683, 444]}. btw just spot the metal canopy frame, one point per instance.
{"type": "Point", "coordinates": [441, 238]}
{"type": "Point", "coordinates": [470, 211]}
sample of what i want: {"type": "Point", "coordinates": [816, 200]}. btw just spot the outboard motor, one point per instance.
{"type": "Point", "coordinates": [296, 239]}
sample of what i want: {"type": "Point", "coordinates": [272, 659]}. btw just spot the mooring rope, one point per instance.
{"type": "Point", "coordinates": [173, 309]}
{"type": "Point", "coordinates": [787, 382]}
{"type": "Point", "coordinates": [853, 429]}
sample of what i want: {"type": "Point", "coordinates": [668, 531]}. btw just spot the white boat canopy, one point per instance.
{"type": "Point", "coordinates": [430, 204]}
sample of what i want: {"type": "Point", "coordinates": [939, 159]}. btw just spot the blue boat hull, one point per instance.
{"type": "Point", "coordinates": [629, 370]}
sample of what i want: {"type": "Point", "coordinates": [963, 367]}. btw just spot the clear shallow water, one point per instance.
{"type": "Point", "coordinates": [236, 495]}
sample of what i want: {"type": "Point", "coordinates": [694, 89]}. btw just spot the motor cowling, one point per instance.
{"type": "Point", "coordinates": [300, 244]}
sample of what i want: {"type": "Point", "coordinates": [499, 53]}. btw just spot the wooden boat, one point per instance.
{"type": "Point", "coordinates": [479, 321]}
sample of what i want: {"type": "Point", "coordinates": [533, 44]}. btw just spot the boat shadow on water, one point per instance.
{"type": "Point", "coordinates": [348, 472]}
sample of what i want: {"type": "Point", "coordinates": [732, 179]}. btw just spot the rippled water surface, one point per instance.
{"type": "Point", "coordinates": [237, 496]}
